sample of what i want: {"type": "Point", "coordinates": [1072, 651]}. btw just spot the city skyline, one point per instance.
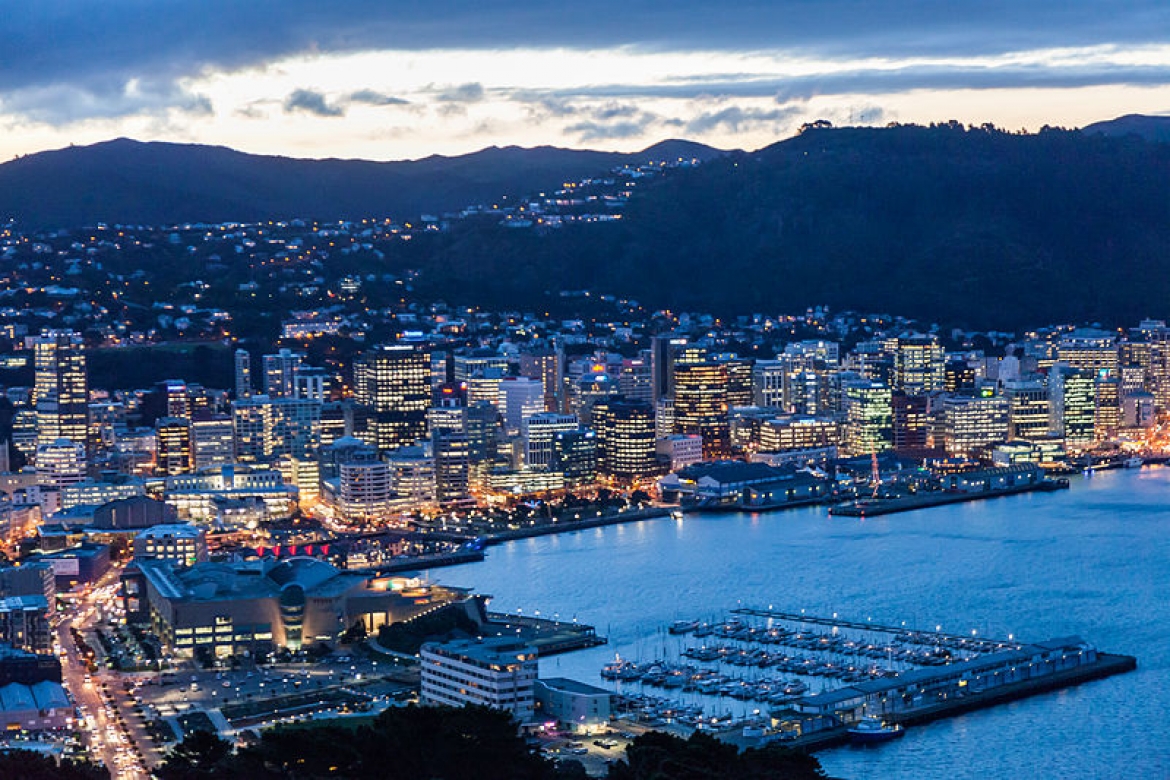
{"type": "Point", "coordinates": [383, 82]}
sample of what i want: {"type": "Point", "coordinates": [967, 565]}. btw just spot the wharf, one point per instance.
{"type": "Point", "coordinates": [1106, 665]}
{"type": "Point", "coordinates": [564, 526]}
{"type": "Point", "coordinates": [420, 562]}
{"type": "Point", "coordinates": [547, 637]}
{"type": "Point", "coordinates": [872, 507]}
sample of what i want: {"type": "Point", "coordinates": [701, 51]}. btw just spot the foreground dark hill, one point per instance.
{"type": "Point", "coordinates": [126, 181]}
{"type": "Point", "coordinates": [972, 226]}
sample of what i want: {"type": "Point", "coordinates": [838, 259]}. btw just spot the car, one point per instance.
{"type": "Point", "coordinates": [579, 751]}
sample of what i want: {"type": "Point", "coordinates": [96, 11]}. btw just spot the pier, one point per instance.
{"type": "Point", "coordinates": [773, 661]}
{"type": "Point", "coordinates": [873, 507]}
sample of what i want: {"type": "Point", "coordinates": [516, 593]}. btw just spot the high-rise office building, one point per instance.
{"type": "Point", "coordinates": [1107, 408]}
{"type": "Point", "coordinates": [575, 456]}
{"type": "Point", "coordinates": [174, 451]}
{"type": "Point", "coordinates": [539, 432]}
{"type": "Point", "coordinates": [625, 434]}
{"type": "Point", "coordinates": [701, 405]}
{"type": "Point", "coordinates": [869, 417]}
{"type": "Point", "coordinates": [919, 365]}
{"type": "Point", "coordinates": [312, 383]}
{"type": "Point", "coordinates": [452, 448]}
{"type": "Point", "coordinates": [280, 371]}
{"type": "Point", "coordinates": [213, 442]}
{"type": "Point", "coordinates": [394, 382]}
{"type": "Point", "coordinates": [636, 380]}
{"type": "Point", "coordinates": [60, 387]}
{"type": "Point", "coordinates": [268, 428]}
{"type": "Point", "coordinates": [911, 422]}
{"type": "Point", "coordinates": [243, 373]}
{"type": "Point", "coordinates": [663, 350]}
{"type": "Point", "coordinates": [1027, 409]}
{"type": "Point", "coordinates": [547, 367]}
{"type": "Point", "coordinates": [60, 463]}
{"type": "Point", "coordinates": [972, 422]}
{"type": "Point", "coordinates": [519, 399]}
{"type": "Point", "coordinates": [1072, 406]}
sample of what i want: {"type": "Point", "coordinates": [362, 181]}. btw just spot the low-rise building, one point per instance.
{"type": "Point", "coordinates": [498, 672]}
{"type": "Point", "coordinates": [230, 608]}
{"type": "Point", "coordinates": [580, 708]}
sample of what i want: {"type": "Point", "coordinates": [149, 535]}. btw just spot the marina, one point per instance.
{"type": "Point", "coordinates": [814, 681]}
{"type": "Point", "coordinates": [1031, 566]}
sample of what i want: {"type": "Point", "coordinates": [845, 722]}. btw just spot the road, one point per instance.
{"type": "Point", "coordinates": [103, 726]}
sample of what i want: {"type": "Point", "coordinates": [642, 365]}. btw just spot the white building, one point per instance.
{"type": "Point", "coordinates": [498, 672]}
{"type": "Point", "coordinates": [679, 450]}
{"type": "Point", "coordinates": [181, 543]}
{"type": "Point", "coordinates": [60, 463]}
{"type": "Point", "coordinates": [519, 399]}
{"type": "Point", "coordinates": [539, 432]}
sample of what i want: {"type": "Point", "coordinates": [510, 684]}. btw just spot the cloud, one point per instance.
{"type": "Point", "coordinates": [373, 98]}
{"type": "Point", "coordinates": [736, 119]}
{"type": "Point", "coordinates": [601, 128]}
{"type": "Point", "coordinates": [463, 93]}
{"type": "Point", "coordinates": [311, 102]}
{"type": "Point", "coordinates": [62, 104]}
{"type": "Point", "coordinates": [65, 60]}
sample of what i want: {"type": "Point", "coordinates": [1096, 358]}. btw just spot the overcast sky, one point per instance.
{"type": "Point", "coordinates": [394, 79]}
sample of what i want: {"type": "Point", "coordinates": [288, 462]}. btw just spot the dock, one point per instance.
{"type": "Point", "coordinates": [547, 637]}
{"type": "Point", "coordinates": [773, 661]}
{"type": "Point", "coordinates": [874, 507]}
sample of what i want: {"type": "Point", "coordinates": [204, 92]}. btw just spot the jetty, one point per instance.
{"type": "Point", "coordinates": [955, 489]}
{"type": "Point", "coordinates": [772, 661]}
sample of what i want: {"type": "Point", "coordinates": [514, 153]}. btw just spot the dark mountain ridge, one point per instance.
{"type": "Point", "coordinates": [126, 181]}
{"type": "Point", "coordinates": [963, 225]}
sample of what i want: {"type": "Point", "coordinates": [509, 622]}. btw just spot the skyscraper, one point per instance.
{"type": "Point", "coordinates": [701, 406]}
{"type": "Point", "coordinates": [394, 382]}
{"type": "Point", "coordinates": [625, 433]}
{"type": "Point", "coordinates": [919, 364]}
{"type": "Point", "coordinates": [61, 387]}
{"type": "Point", "coordinates": [243, 373]}
{"type": "Point", "coordinates": [450, 442]}
{"type": "Point", "coordinates": [280, 372]}
{"type": "Point", "coordinates": [869, 417]}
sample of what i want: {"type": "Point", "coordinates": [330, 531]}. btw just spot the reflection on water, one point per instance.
{"type": "Point", "coordinates": [1093, 560]}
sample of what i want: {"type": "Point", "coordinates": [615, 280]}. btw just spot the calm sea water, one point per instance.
{"type": "Point", "coordinates": [1093, 561]}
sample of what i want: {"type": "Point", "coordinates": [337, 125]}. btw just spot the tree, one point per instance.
{"type": "Point", "coordinates": [28, 765]}
{"type": "Point", "coordinates": [199, 754]}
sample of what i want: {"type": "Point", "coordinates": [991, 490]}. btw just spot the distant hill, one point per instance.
{"type": "Point", "coordinates": [125, 181]}
{"type": "Point", "coordinates": [965, 225]}
{"type": "Point", "coordinates": [1151, 128]}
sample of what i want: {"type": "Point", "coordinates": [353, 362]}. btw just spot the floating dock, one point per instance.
{"type": "Point", "coordinates": [864, 671]}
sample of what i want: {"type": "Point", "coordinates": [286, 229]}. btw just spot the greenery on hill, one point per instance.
{"type": "Point", "coordinates": [970, 226]}
{"type": "Point", "coordinates": [448, 743]}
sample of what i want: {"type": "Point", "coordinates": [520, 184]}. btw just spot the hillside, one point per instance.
{"type": "Point", "coordinates": [1151, 128]}
{"type": "Point", "coordinates": [124, 181]}
{"type": "Point", "coordinates": [973, 226]}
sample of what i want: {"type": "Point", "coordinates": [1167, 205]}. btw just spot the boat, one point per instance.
{"type": "Point", "coordinates": [676, 514]}
{"type": "Point", "coordinates": [683, 626]}
{"type": "Point", "coordinates": [869, 730]}
{"type": "Point", "coordinates": [1133, 463]}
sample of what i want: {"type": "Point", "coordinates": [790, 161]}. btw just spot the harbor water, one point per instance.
{"type": "Point", "coordinates": [1092, 561]}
